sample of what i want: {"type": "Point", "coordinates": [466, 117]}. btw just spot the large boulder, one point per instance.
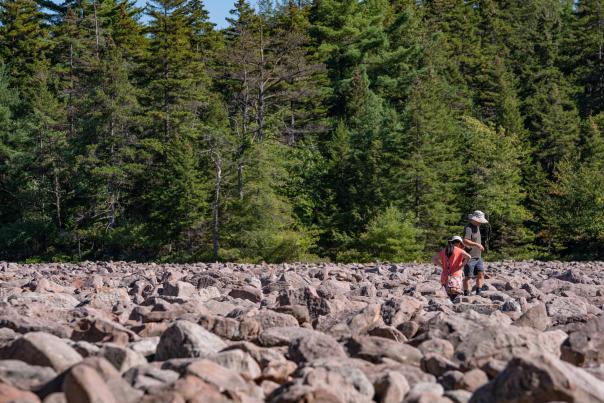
{"type": "Point", "coordinates": [24, 376]}
{"type": "Point", "coordinates": [283, 336]}
{"type": "Point", "coordinates": [96, 380]}
{"type": "Point", "coordinates": [314, 346]}
{"type": "Point", "coordinates": [352, 323]}
{"type": "Point", "coordinates": [296, 393]}
{"type": "Point", "coordinates": [585, 346]}
{"type": "Point", "coordinates": [122, 358]}
{"type": "Point", "coordinates": [149, 378]}
{"type": "Point", "coordinates": [224, 379]}
{"type": "Point", "coordinates": [478, 338]}
{"type": "Point", "coordinates": [55, 300]}
{"type": "Point", "coordinates": [10, 394]}
{"type": "Point", "coordinates": [341, 377]}
{"type": "Point", "coordinates": [96, 330]}
{"type": "Point", "coordinates": [541, 378]}
{"type": "Point", "coordinates": [390, 387]}
{"type": "Point", "coordinates": [238, 361]}
{"type": "Point", "coordinates": [564, 310]}
{"type": "Point", "coordinates": [42, 349]}
{"type": "Point", "coordinates": [187, 340]}
{"type": "Point", "coordinates": [535, 317]}
{"type": "Point", "coordinates": [375, 349]}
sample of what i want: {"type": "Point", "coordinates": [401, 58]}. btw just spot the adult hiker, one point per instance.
{"type": "Point", "coordinates": [475, 267]}
{"type": "Point", "coordinates": [452, 259]}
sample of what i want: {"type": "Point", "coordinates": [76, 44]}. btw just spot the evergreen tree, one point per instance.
{"type": "Point", "coordinates": [263, 65]}
{"type": "Point", "coordinates": [390, 236]}
{"type": "Point", "coordinates": [19, 232]}
{"type": "Point", "coordinates": [592, 146]}
{"type": "Point", "coordinates": [24, 42]}
{"type": "Point", "coordinates": [176, 194]}
{"type": "Point", "coordinates": [574, 209]}
{"type": "Point", "coordinates": [494, 168]}
{"type": "Point", "coordinates": [432, 176]}
{"type": "Point", "coordinates": [583, 51]}
{"type": "Point", "coordinates": [553, 120]}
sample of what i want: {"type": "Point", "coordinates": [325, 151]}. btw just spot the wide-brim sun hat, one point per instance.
{"type": "Point", "coordinates": [457, 238]}
{"type": "Point", "coordinates": [478, 216]}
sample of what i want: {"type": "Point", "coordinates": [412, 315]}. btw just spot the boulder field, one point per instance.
{"type": "Point", "coordinates": [335, 333]}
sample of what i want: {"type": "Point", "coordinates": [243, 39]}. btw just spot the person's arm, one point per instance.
{"type": "Point", "coordinates": [437, 261]}
{"type": "Point", "coordinates": [468, 240]}
{"type": "Point", "coordinates": [466, 258]}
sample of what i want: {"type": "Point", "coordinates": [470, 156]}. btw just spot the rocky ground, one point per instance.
{"type": "Point", "coordinates": [123, 332]}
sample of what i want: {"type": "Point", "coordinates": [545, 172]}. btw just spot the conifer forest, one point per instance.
{"type": "Point", "coordinates": [338, 130]}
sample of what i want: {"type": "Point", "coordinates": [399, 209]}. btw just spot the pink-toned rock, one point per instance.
{"type": "Point", "coordinates": [42, 349]}
{"type": "Point", "coordinates": [9, 394]}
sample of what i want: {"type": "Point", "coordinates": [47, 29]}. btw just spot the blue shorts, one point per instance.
{"type": "Point", "coordinates": [473, 267]}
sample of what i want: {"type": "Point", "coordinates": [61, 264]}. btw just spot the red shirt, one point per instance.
{"type": "Point", "coordinates": [455, 266]}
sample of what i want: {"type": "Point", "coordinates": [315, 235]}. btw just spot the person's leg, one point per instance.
{"type": "Point", "coordinates": [479, 271]}
{"type": "Point", "coordinates": [467, 277]}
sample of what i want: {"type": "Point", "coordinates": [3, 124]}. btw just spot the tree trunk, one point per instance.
{"type": "Point", "coordinates": [96, 31]}
{"type": "Point", "coordinates": [216, 204]}
{"type": "Point", "coordinates": [260, 109]}
{"type": "Point", "coordinates": [57, 192]}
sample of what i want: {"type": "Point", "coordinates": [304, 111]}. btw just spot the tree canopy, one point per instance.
{"type": "Point", "coordinates": [304, 130]}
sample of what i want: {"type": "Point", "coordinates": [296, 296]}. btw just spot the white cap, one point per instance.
{"type": "Point", "coordinates": [457, 238]}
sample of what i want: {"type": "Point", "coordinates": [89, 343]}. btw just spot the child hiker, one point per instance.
{"type": "Point", "coordinates": [452, 259]}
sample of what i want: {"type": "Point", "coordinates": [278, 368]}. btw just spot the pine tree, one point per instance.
{"type": "Point", "coordinates": [592, 146]}
{"type": "Point", "coordinates": [24, 42]}
{"type": "Point", "coordinates": [177, 195]}
{"type": "Point", "coordinates": [574, 209]}
{"type": "Point", "coordinates": [457, 22]}
{"type": "Point", "coordinates": [432, 176]}
{"type": "Point", "coordinates": [553, 120]}
{"type": "Point", "coordinates": [494, 168]}
{"type": "Point", "coordinates": [263, 65]}
{"type": "Point", "coordinates": [18, 230]}
{"type": "Point", "coordinates": [349, 36]}
{"type": "Point", "coordinates": [584, 54]}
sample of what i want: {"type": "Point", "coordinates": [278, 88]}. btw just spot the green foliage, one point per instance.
{"type": "Point", "coordinates": [391, 236]}
{"type": "Point", "coordinates": [583, 58]}
{"type": "Point", "coordinates": [305, 130]}
{"type": "Point", "coordinates": [494, 170]}
{"type": "Point", "coordinates": [575, 208]}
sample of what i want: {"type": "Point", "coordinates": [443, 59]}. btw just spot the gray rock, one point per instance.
{"type": "Point", "coordinates": [375, 349]}
{"type": "Point", "coordinates": [535, 317]}
{"type": "Point", "coordinates": [458, 396]}
{"type": "Point", "coordinates": [438, 346]}
{"type": "Point", "coordinates": [437, 365]}
{"type": "Point", "coordinates": [187, 340]}
{"type": "Point", "coordinates": [238, 361]}
{"type": "Point", "coordinates": [250, 293]}
{"type": "Point", "coordinates": [179, 289]}
{"type": "Point", "coordinates": [296, 393]}
{"type": "Point", "coordinates": [314, 346]}
{"type": "Point", "coordinates": [96, 380]}
{"type": "Point", "coordinates": [282, 336]}
{"type": "Point", "coordinates": [42, 349]}
{"type": "Point", "coordinates": [390, 387]}
{"type": "Point", "coordinates": [122, 358]}
{"type": "Point", "coordinates": [24, 376]}
{"type": "Point", "coordinates": [148, 378]}
{"type": "Point", "coordinates": [550, 380]}
{"type": "Point", "coordinates": [585, 346]}
{"type": "Point", "coordinates": [338, 375]}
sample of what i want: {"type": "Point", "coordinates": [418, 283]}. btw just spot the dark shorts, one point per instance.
{"type": "Point", "coordinates": [473, 267]}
